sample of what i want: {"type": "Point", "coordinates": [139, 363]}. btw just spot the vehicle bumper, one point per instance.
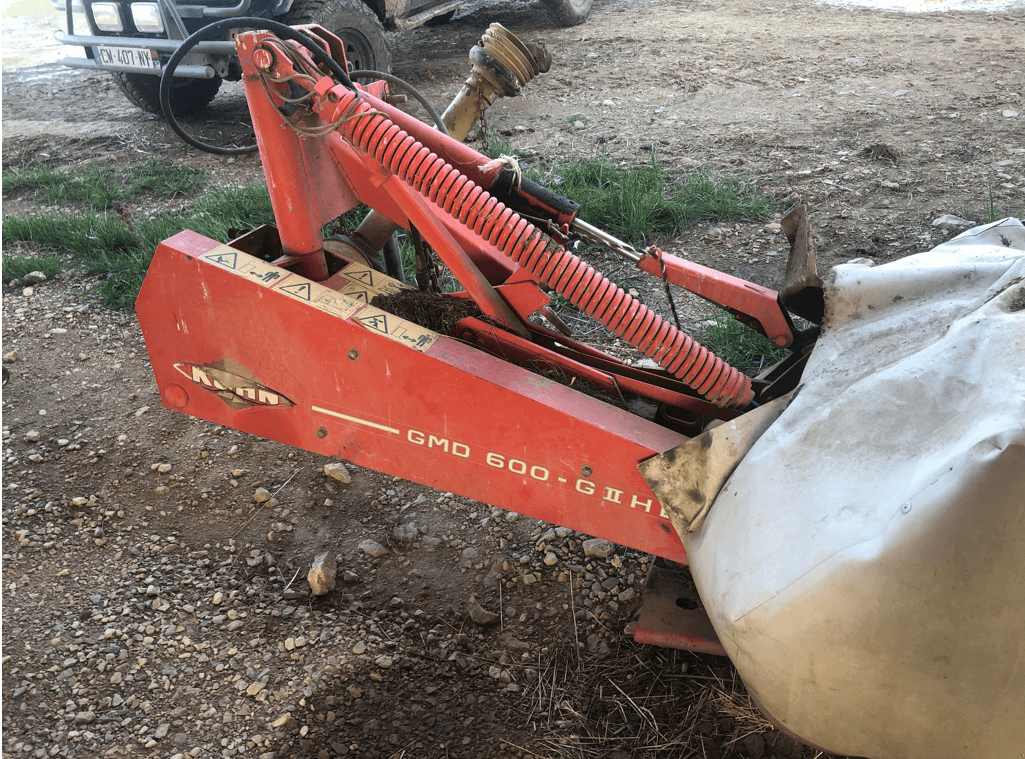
{"type": "Point", "coordinates": [163, 46]}
{"type": "Point", "coordinates": [205, 61]}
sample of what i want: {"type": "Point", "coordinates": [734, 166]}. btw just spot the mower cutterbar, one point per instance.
{"type": "Point", "coordinates": [273, 335]}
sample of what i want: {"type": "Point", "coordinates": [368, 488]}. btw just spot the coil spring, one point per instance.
{"type": "Point", "coordinates": [474, 207]}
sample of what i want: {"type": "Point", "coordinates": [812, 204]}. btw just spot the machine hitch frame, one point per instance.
{"type": "Point", "coordinates": [274, 335]}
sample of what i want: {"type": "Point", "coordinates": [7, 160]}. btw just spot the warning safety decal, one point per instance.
{"type": "Point", "coordinates": [401, 331]}
{"type": "Point", "coordinates": [292, 285]}
{"type": "Point", "coordinates": [323, 298]}
{"type": "Point", "coordinates": [364, 284]}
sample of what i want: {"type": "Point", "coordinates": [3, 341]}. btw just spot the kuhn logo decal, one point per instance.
{"type": "Point", "coordinates": [233, 384]}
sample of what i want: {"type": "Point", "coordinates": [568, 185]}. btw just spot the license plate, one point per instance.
{"type": "Point", "coordinates": [129, 57]}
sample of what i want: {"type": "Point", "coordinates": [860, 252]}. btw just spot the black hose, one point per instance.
{"type": "Point", "coordinates": [208, 32]}
{"type": "Point", "coordinates": [393, 259]}
{"type": "Point", "coordinates": [417, 95]}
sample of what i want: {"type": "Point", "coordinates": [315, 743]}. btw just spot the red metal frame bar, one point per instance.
{"type": "Point", "coordinates": [242, 343]}
{"type": "Point", "coordinates": [672, 615]}
{"type": "Point", "coordinates": [735, 295]}
{"type": "Point", "coordinates": [612, 379]}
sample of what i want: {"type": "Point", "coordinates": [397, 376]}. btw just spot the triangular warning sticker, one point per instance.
{"type": "Point", "coordinates": [366, 276]}
{"type": "Point", "coordinates": [376, 322]}
{"type": "Point", "coordinates": [300, 290]}
{"type": "Point", "coordinates": [227, 260]}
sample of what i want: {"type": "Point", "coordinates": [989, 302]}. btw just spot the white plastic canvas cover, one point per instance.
{"type": "Point", "coordinates": [864, 566]}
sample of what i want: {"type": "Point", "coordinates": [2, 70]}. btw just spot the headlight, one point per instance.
{"type": "Point", "coordinates": [108, 17]}
{"type": "Point", "coordinates": [146, 17]}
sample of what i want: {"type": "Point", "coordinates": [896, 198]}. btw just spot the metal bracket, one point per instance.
{"type": "Point", "coordinates": [672, 614]}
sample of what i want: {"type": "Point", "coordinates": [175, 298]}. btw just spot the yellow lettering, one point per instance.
{"type": "Point", "coordinates": [611, 494]}
{"type": "Point", "coordinates": [415, 437]}
{"type": "Point", "coordinates": [495, 460]}
{"type": "Point", "coordinates": [262, 396]}
{"type": "Point", "coordinates": [438, 442]}
{"type": "Point", "coordinates": [585, 486]}
{"type": "Point", "coordinates": [635, 502]}
{"type": "Point", "coordinates": [461, 450]}
{"type": "Point", "coordinates": [201, 377]}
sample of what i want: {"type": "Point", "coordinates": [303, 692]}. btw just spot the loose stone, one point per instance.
{"type": "Point", "coordinates": [373, 548]}
{"type": "Point", "coordinates": [405, 533]}
{"type": "Point", "coordinates": [337, 471]}
{"type": "Point", "coordinates": [480, 615]}
{"type": "Point", "coordinates": [321, 576]}
{"type": "Point", "coordinates": [281, 721]}
{"type": "Point", "coordinates": [598, 548]}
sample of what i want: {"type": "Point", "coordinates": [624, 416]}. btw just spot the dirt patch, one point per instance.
{"type": "Point", "coordinates": [436, 312]}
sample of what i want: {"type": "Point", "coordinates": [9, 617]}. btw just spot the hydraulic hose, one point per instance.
{"type": "Point", "coordinates": [450, 190]}
{"type": "Point", "coordinates": [215, 30]}
{"type": "Point", "coordinates": [439, 122]}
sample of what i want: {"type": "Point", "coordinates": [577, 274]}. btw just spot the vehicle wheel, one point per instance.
{"type": "Point", "coordinates": [569, 12]}
{"type": "Point", "coordinates": [441, 20]}
{"type": "Point", "coordinates": [187, 95]}
{"type": "Point", "coordinates": [355, 24]}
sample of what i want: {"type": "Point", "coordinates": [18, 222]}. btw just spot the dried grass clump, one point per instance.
{"type": "Point", "coordinates": [641, 701]}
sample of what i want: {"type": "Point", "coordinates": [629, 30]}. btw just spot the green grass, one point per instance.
{"type": "Point", "coordinates": [106, 245]}
{"type": "Point", "coordinates": [631, 202]}
{"type": "Point", "coordinates": [491, 142]}
{"type": "Point", "coordinates": [738, 344]}
{"type": "Point", "coordinates": [101, 189]}
{"type": "Point", "coordinates": [17, 266]}
{"type": "Point", "coordinates": [638, 202]}
{"type": "Point", "coordinates": [993, 212]}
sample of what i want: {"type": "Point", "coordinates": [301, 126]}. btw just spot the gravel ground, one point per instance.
{"type": "Point", "coordinates": [155, 592]}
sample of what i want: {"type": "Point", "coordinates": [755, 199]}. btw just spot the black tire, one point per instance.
{"type": "Point", "coordinates": [356, 25]}
{"type": "Point", "coordinates": [188, 96]}
{"type": "Point", "coordinates": [569, 12]}
{"type": "Point", "coordinates": [441, 20]}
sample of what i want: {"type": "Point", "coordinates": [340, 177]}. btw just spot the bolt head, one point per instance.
{"type": "Point", "coordinates": [263, 59]}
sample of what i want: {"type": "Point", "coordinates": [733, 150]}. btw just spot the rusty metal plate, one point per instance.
{"type": "Point", "coordinates": [672, 614]}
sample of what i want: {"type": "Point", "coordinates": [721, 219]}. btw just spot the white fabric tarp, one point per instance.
{"type": "Point", "coordinates": [864, 566]}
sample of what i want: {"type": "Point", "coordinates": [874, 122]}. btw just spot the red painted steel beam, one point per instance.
{"type": "Point", "coordinates": [518, 350]}
{"type": "Point", "coordinates": [469, 276]}
{"type": "Point", "coordinates": [732, 293]}
{"type": "Point", "coordinates": [241, 343]}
